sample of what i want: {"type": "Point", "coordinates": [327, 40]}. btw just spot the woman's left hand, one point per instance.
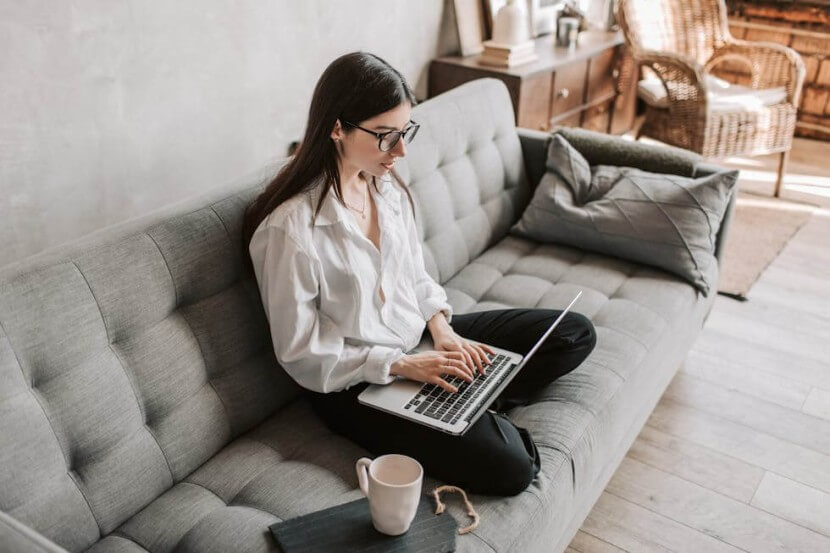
{"type": "Point", "coordinates": [475, 354]}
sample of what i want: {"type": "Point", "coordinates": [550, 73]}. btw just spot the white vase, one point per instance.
{"type": "Point", "coordinates": [511, 23]}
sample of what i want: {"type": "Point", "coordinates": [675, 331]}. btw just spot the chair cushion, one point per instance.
{"type": "Point", "coordinates": [722, 95]}
{"type": "Point", "coordinates": [663, 220]}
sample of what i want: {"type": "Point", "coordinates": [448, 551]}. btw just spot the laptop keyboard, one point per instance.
{"type": "Point", "coordinates": [435, 402]}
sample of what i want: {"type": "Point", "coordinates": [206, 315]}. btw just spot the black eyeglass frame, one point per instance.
{"type": "Point", "coordinates": [413, 128]}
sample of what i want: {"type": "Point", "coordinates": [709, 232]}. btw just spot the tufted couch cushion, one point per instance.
{"type": "Point", "coordinates": [466, 173]}
{"type": "Point", "coordinates": [126, 366]}
{"type": "Point", "coordinates": [142, 409]}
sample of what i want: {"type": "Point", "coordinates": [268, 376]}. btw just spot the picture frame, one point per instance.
{"type": "Point", "coordinates": [471, 25]}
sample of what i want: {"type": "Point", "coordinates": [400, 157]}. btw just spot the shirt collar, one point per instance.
{"type": "Point", "coordinates": [332, 211]}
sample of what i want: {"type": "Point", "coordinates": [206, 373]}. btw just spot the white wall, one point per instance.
{"type": "Point", "coordinates": [112, 108]}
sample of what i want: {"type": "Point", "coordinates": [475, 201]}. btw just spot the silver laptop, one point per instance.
{"type": "Point", "coordinates": [453, 413]}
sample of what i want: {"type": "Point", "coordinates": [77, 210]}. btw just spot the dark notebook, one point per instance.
{"type": "Point", "coordinates": [348, 527]}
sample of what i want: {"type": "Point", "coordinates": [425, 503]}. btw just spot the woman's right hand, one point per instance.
{"type": "Point", "coordinates": [430, 366]}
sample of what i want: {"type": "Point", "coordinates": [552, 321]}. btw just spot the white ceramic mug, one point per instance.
{"type": "Point", "coordinates": [392, 483]}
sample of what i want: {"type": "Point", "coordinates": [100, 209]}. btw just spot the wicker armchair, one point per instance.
{"type": "Point", "coordinates": [681, 41]}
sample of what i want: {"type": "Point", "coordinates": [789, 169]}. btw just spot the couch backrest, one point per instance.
{"type": "Point", "coordinates": [130, 357]}
{"type": "Point", "coordinates": [126, 361]}
{"type": "Point", "coordinates": [466, 172]}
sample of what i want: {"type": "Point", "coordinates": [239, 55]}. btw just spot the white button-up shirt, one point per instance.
{"type": "Point", "coordinates": [320, 286]}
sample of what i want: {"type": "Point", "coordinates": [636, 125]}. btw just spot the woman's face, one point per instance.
{"type": "Point", "coordinates": [360, 149]}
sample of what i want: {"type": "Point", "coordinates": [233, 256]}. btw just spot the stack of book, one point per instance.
{"type": "Point", "coordinates": [508, 55]}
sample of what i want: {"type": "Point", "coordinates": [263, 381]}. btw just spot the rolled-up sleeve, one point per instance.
{"type": "Point", "coordinates": [432, 297]}
{"type": "Point", "coordinates": [306, 342]}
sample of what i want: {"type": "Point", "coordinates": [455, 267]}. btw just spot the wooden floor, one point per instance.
{"type": "Point", "coordinates": [736, 456]}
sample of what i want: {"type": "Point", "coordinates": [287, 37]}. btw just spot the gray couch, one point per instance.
{"type": "Point", "coordinates": [142, 409]}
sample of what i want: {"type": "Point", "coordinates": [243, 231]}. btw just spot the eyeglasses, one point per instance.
{"type": "Point", "coordinates": [388, 140]}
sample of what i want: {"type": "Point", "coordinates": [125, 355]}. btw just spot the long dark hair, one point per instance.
{"type": "Point", "coordinates": [354, 87]}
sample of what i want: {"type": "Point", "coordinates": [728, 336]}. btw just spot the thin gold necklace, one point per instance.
{"type": "Point", "coordinates": [362, 210]}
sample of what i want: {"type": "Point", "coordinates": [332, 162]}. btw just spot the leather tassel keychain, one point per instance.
{"type": "Point", "coordinates": [470, 510]}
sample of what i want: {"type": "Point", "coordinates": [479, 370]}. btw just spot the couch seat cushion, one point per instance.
{"type": "Point", "coordinates": [289, 465]}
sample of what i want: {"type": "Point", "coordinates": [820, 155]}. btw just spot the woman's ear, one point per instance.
{"type": "Point", "coordinates": [337, 131]}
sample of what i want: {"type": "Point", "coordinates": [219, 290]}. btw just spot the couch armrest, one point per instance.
{"type": "Point", "coordinates": [16, 537]}
{"type": "Point", "coordinates": [535, 153]}
{"type": "Point", "coordinates": [701, 170]}
{"type": "Point", "coordinates": [723, 231]}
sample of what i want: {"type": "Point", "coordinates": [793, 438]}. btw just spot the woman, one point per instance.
{"type": "Point", "coordinates": [338, 260]}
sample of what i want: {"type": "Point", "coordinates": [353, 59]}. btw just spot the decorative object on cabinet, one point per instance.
{"type": "Point", "coordinates": [510, 25]}
{"type": "Point", "coordinates": [511, 44]}
{"type": "Point", "coordinates": [567, 31]}
{"type": "Point", "coordinates": [571, 8]}
{"type": "Point", "coordinates": [505, 55]}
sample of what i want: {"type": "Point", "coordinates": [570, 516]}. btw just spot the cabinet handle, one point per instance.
{"type": "Point", "coordinates": [564, 93]}
{"type": "Point", "coordinates": [615, 73]}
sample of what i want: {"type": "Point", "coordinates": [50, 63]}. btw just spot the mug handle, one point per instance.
{"type": "Point", "coordinates": [362, 467]}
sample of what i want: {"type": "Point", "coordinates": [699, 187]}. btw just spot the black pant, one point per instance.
{"type": "Point", "coordinates": [480, 461]}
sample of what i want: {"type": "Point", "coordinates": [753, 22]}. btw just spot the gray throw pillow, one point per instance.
{"type": "Point", "coordinates": [667, 221]}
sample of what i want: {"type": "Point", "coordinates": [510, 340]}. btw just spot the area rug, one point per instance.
{"type": "Point", "coordinates": [761, 227]}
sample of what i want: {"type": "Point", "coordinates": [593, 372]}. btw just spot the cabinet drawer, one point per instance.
{"type": "Point", "coordinates": [533, 102]}
{"type": "Point", "coordinates": [602, 75]}
{"type": "Point", "coordinates": [568, 88]}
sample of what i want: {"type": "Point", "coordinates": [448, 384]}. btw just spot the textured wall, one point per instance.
{"type": "Point", "coordinates": [112, 108]}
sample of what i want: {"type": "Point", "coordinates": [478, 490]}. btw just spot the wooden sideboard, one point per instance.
{"type": "Point", "coordinates": [577, 87]}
